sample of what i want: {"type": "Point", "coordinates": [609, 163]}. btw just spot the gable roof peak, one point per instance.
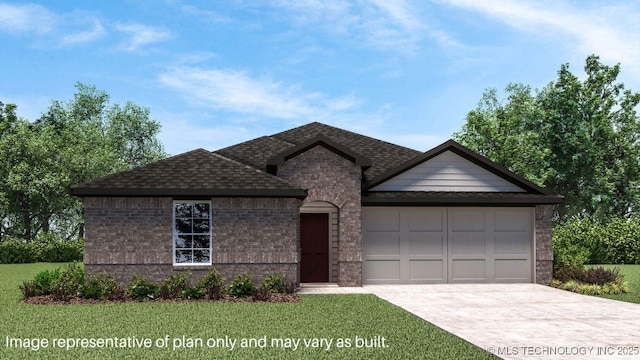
{"type": "Point", "coordinates": [466, 153]}
{"type": "Point", "coordinates": [318, 140]}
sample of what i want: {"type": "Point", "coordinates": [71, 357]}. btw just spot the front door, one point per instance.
{"type": "Point", "coordinates": [314, 244]}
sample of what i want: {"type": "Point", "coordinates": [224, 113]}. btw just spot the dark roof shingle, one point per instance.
{"type": "Point", "coordinates": [383, 155]}
{"type": "Point", "coordinates": [194, 173]}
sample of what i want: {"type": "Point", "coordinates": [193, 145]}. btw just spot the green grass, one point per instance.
{"type": "Point", "coordinates": [316, 316]}
{"type": "Point", "coordinates": [632, 276]}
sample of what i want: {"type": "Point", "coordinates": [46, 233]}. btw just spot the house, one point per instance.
{"type": "Point", "coordinates": [321, 204]}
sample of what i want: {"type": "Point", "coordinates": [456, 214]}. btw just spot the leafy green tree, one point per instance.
{"type": "Point", "coordinates": [72, 142]}
{"type": "Point", "coordinates": [578, 138]}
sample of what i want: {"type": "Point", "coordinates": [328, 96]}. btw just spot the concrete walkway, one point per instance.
{"type": "Point", "coordinates": [525, 321]}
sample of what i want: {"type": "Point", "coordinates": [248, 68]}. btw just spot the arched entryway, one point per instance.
{"type": "Point", "coordinates": [318, 242]}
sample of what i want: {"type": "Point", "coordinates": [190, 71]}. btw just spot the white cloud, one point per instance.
{"type": "Point", "coordinates": [610, 31]}
{"type": "Point", "coordinates": [389, 25]}
{"type": "Point", "coordinates": [26, 18]}
{"type": "Point", "coordinates": [141, 35]}
{"type": "Point", "coordinates": [49, 28]}
{"type": "Point", "coordinates": [235, 91]}
{"type": "Point", "coordinates": [96, 32]}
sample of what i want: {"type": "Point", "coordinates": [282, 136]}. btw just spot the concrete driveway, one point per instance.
{"type": "Point", "coordinates": [525, 321]}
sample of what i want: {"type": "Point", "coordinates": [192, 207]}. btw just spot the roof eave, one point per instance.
{"type": "Point", "coordinates": [463, 200]}
{"type": "Point", "coordinates": [275, 193]}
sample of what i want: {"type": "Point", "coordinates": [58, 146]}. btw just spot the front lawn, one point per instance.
{"type": "Point", "coordinates": [355, 320]}
{"type": "Point", "coordinates": [632, 276]}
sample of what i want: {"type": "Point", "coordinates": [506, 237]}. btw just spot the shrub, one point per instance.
{"type": "Point", "coordinates": [614, 242]}
{"type": "Point", "coordinates": [591, 276]}
{"type": "Point", "coordinates": [242, 286]}
{"type": "Point", "coordinates": [192, 293]}
{"type": "Point", "coordinates": [263, 293]}
{"type": "Point", "coordinates": [102, 286]}
{"type": "Point", "coordinates": [212, 284]}
{"type": "Point", "coordinates": [46, 247]}
{"type": "Point", "coordinates": [69, 284]}
{"type": "Point", "coordinates": [275, 283]}
{"type": "Point", "coordinates": [601, 276]}
{"type": "Point", "coordinates": [28, 289]}
{"type": "Point", "coordinates": [569, 248]}
{"type": "Point", "coordinates": [15, 251]}
{"type": "Point", "coordinates": [140, 288]}
{"type": "Point", "coordinates": [45, 280]}
{"type": "Point", "coordinates": [173, 286]}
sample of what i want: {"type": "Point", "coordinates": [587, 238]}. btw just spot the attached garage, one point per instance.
{"type": "Point", "coordinates": [417, 245]}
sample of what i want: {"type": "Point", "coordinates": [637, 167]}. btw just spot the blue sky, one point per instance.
{"type": "Point", "coordinates": [215, 73]}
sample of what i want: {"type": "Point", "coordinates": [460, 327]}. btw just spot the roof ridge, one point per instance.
{"type": "Point", "coordinates": [341, 129]}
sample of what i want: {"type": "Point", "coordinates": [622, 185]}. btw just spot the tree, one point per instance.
{"type": "Point", "coordinates": [578, 138]}
{"type": "Point", "coordinates": [72, 142]}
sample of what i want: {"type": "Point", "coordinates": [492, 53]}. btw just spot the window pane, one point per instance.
{"type": "Point", "coordinates": [183, 226]}
{"type": "Point", "coordinates": [201, 210]}
{"type": "Point", "coordinates": [201, 241]}
{"type": "Point", "coordinates": [184, 256]}
{"type": "Point", "coordinates": [201, 226]}
{"type": "Point", "coordinates": [183, 210]}
{"type": "Point", "coordinates": [183, 241]}
{"type": "Point", "coordinates": [201, 256]}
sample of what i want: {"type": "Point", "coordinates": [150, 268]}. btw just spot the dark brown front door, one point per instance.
{"type": "Point", "coordinates": [314, 243]}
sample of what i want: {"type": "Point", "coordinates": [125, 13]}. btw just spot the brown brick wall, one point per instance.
{"type": "Point", "coordinates": [334, 179]}
{"type": "Point", "coordinates": [134, 235]}
{"type": "Point", "coordinates": [544, 245]}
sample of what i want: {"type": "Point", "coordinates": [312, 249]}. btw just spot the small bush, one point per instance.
{"type": "Point", "coordinates": [192, 293]}
{"type": "Point", "coordinates": [591, 276]}
{"type": "Point", "coordinates": [212, 284]}
{"type": "Point", "coordinates": [69, 284]}
{"type": "Point", "coordinates": [45, 280]}
{"type": "Point", "coordinates": [173, 286]}
{"type": "Point", "coordinates": [275, 283]}
{"type": "Point", "coordinates": [263, 293]}
{"type": "Point", "coordinates": [242, 286]}
{"type": "Point", "coordinates": [28, 289]}
{"type": "Point", "coordinates": [601, 276]}
{"type": "Point", "coordinates": [140, 288]}
{"type": "Point", "coordinates": [102, 286]}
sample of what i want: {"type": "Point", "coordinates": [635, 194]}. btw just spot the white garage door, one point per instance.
{"type": "Point", "coordinates": [405, 245]}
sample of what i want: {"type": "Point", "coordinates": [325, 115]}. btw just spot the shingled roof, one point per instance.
{"type": "Point", "coordinates": [195, 173]}
{"type": "Point", "coordinates": [383, 155]}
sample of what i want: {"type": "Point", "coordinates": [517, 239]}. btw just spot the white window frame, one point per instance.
{"type": "Point", "coordinates": [175, 233]}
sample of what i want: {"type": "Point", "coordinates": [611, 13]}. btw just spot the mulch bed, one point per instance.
{"type": "Point", "coordinates": [49, 300]}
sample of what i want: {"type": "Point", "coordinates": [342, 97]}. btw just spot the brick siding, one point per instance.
{"type": "Point", "coordinates": [132, 235]}
{"type": "Point", "coordinates": [330, 177]}
{"type": "Point", "coordinates": [544, 244]}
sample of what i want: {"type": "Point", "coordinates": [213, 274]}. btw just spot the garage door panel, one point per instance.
{"type": "Point", "coordinates": [512, 243]}
{"type": "Point", "coordinates": [382, 244]}
{"type": "Point", "coordinates": [386, 271]}
{"type": "Point", "coordinates": [468, 270]}
{"type": "Point", "coordinates": [427, 270]}
{"type": "Point", "coordinates": [426, 220]}
{"type": "Point", "coordinates": [514, 270]}
{"type": "Point", "coordinates": [462, 220]}
{"type": "Point", "coordinates": [382, 219]}
{"type": "Point", "coordinates": [427, 244]}
{"type": "Point", "coordinates": [468, 243]}
{"type": "Point", "coordinates": [513, 220]}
